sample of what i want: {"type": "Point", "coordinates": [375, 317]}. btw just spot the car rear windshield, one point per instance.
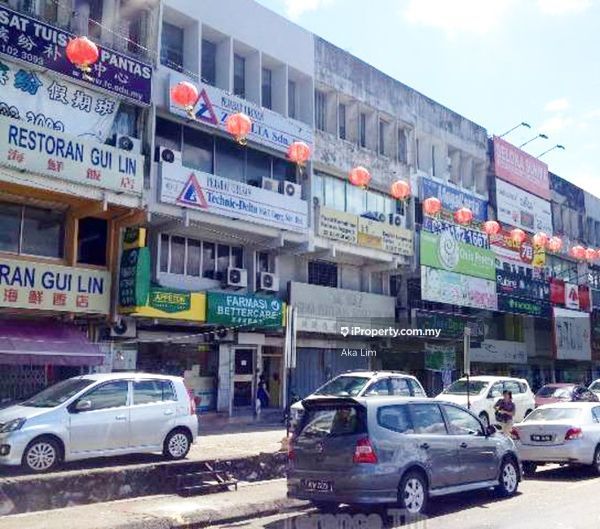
{"type": "Point", "coordinates": [333, 422]}
{"type": "Point", "coordinates": [595, 386]}
{"type": "Point", "coordinates": [554, 391]}
{"type": "Point", "coordinates": [460, 387]}
{"type": "Point", "coordinates": [57, 394]}
{"type": "Point", "coordinates": [553, 414]}
{"type": "Point", "coordinates": [344, 386]}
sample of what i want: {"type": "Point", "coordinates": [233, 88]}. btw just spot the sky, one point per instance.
{"type": "Point", "coordinates": [496, 62]}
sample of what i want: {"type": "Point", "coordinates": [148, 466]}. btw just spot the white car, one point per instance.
{"type": "Point", "coordinates": [99, 415]}
{"type": "Point", "coordinates": [595, 387]}
{"type": "Point", "coordinates": [565, 432]}
{"type": "Point", "coordinates": [484, 392]}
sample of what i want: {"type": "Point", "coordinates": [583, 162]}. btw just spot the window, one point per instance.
{"type": "Point", "coordinates": [91, 241]}
{"type": "Point", "coordinates": [417, 389]}
{"type": "Point", "coordinates": [223, 261]}
{"type": "Point", "coordinates": [194, 258]}
{"type": "Point", "coordinates": [264, 263]}
{"type": "Point", "coordinates": [229, 159]}
{"type": "Point", "coordinates": [322, 273]}
{"type": "Point", "coordinates": [110, 395]}
{"type": "Point", "coordinates": [168, 134]}
{"type": "Point", "coordinates": [342, 120]}
{"type": "Point", "coordinates": [362, 130]}
{"type": "Point", "coordinates": [134, 21]}
{"type": "Point", "coordinates": [331, 423]}
{"type": "Point", "coordinates": [237, 257]}
{"type": "Point", "coordinates": [209, 62]}
{"type": "Point", "coordinates": [395, 418]}
{"type": "Point", "coordinates": [399, 387]}
{"type": "Point", "coordinates": [382, 132]}
{"type": "Point", "coordinates": [258, 166]}
{"type": "Point", "coordinates": [418, 146]}
{"type": "Point", "coordinates": [177, 253]}
{"type": "Point", "coordinates": [433, 172]}
{"type": "Point", "coordinates": [148, 391]}
{"type": "Point", "coordinates": [267, 88]}
{"type": "Point", "coordinates": [376, 283]}
{"type": "Point", "coordinates": [239, 75]}
{"type": "Point", "coordinates": [496, 390]}
{"type": "Point", "coordinates": [427, 419]}
{"type": "Point", "coordinates": [171, 48]}
{"type": "Point", "coordinates": [320, 109]}
{"type": "Point", "coordinates": [335, 193]}
{"type": "Point", "coordinates": [292, 99]}
{"type": "Point", "coordinates": [512, 387]}
{"type": "Point", "coordinates": [379, 388]}
{"type": "Point", "coordinates": [10, 227]}
{"type": "Point", "coordinates": [95, 19]}
{"type": "Point", "coordinates": [461, 422]}
{"type": "Point", "coordinates": [283, 170]}
{"type": "Point", "coordinates": [126, 121]}
{"type": "Point", "coordinates": [356, 200]}
{"type": "Point", "coordinates": [402, 146]}
{"type": "Point", "coordinates": [198, 150]}
{"type": "Point", "coordinates": [596, 413]}
{"type": "Point", "coordinates": [208, 260]}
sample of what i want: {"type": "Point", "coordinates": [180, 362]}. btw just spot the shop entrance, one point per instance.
{"type": "Point", "coordinates": [244, 377]}
{"type": "Point", "coordinates": [272, 367]}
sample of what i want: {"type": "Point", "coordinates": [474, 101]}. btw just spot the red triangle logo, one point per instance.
{"type": "Point", "coordinates": [192, 194]}
{"type": "Point", "coordinates": [206, 111]}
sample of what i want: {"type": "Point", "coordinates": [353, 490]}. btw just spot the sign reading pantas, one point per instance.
{"type": "Point", "coordinates": [352, 229]}
{"type": "Point", "coordinates": [572, 339]}
{"type": "Point", "coordinates": [32, 41]}
{"type": "Point", "coordinates": [452, 198]}
{"type": "Point", "coordinates": [269, 128]}
{"type": "Point", "coordinates": [41, 286]}
{"type": "Point", "coordinates": [213, 194]}
{"type": "Point", "coordinates": [521, 169]}
{"type": "Point", "coordinates": [444, 251]}
{"type": "Point", "coordinates": [521, 209]}
{"type": "Point", "coordinates": [500, 352]}
{"type": "Point", "coordinates": [57, 155]}
{"type": "Point", "coordinates": [443, 286]}
{"type": "Point", "coordinates": [244, 310]}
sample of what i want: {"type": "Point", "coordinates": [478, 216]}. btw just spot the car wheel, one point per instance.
{"type": "Point", "coordinates": [42, 455]}
{"type": "Point", "coordinates": [485, 419]}
{"type": "Point", "coordinates": [596, 463]}
{"type": "Point", "coordinates": [529, 468]}
{"type": "Point", "coordinates": [413, 493]}
{"type": "Point", "coordinates": [325, 506]}
{"type": "Point", "coordinates": [509, 478]}
{"type": "Point", "coordinates": [177, 445]}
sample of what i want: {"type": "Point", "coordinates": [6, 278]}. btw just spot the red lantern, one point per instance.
{"type": "Point", "coordinates": [185, 95]}
{"type": "Point", "coordinates": [360, 177]}
{"type": "Point", "coordinates": [238, 125]}
{"type": "Point", "coordinates": [591, 254]}
{"type": "Point", "coordinates": [491, 227]}
{"type": "Point", "coordinates": [555, 244]}
{"type": "Point", "coordinates": [518, 235]}
{"type": "Point", "coordinates": [82, 52]}
{"type": "Point", "coordinates": [299, 153]}
{"type": "Point", "coordinates": [463, 216]}
{"type": "Point", "coordinates": [540, 239]}
{"type": "Point", "coordinates": [400, 190]}
{"type": "Point", "coordinates": [432, 206]}
{"type": "Point", "coordinates": [578, 252]}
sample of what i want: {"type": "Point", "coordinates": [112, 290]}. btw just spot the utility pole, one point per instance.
{"type": "Point", "coordinates": [467, 362]}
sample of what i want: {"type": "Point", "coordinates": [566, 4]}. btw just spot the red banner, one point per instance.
{"type": "Point", "coordinates": [557, 292]}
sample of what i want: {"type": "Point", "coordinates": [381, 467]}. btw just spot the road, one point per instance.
{"type": "Point", "coordinates": [555, 498]}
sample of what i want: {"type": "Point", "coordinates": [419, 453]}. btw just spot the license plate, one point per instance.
{"type": "Point", "coordinates": [317, 485]}
{"type": "Point", "coordinates": [541, 438]}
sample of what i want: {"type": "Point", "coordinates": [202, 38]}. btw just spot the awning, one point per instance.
{"type": "Point", "coordinates": [25, 342]}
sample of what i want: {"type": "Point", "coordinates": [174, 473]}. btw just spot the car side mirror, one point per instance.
{"type": "Point", "coordinates": [490, 430]}
{"type": "Point", "coordinates": [83, 405]}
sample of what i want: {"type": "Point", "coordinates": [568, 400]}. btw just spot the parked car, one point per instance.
{"type": "Point", "coordinates": [563, 392]}
{"type": "Point", "coordinates": [395, 450]}
{"type": "Point", "coordinates": [595, 387]}
{"type": "Point", "coordinates": [566, 432]}
{"type": "Point", "coordinates": [99, 415]}
{"type": "Point", "coordinates": [484, 392]}
{"type": "Point", "coordinates": [365, 384]}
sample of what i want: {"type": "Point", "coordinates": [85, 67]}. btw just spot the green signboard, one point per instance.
{"type": "Point", "coordinates": [134, 278]}
{"type": "Point", "coordinates": [244, 310]}
{"type": "Point", "coordinates": [443, 251]}
{"type": "Point", "coordinates": [440, 357]}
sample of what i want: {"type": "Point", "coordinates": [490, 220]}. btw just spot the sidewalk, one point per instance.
{"type": "Point", "coordinates": [164, 512]}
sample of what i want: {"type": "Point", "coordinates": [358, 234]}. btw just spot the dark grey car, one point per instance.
{"type": "Point", "coordinates": [395, 450]}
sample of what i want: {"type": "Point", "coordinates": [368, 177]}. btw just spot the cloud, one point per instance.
{"type": "Point", "coordinates": [296, 8]}
{"type": "Point", "coordinates": [556, 124]}
{"type": "Point", "coordinates": [561, 7]}
{"type": "Point", "coordinates": [557, 105]}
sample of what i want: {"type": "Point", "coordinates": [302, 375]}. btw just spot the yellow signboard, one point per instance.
{"type": "Point", "coordinates": [164, 303]}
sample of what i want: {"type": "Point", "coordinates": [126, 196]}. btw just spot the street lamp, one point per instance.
{"type": "Point", "coordinates": [522, 124]}
{"type": "Point", "coordinates": [534, 138]}
{"type": "Point", "coordinates": [557, 146]}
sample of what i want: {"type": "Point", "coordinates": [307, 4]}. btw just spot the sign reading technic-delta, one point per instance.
{"type": "Point", "coordinates": [36, 43]}
{"type": "Point", "coordinates": [240, 310]}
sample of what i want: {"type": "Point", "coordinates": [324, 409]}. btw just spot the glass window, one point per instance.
{"type": "Point", "coordinates": [263, 262]}
{"type": "Point", "coordinates": [222, 258]}
{"type": "Point", "coordinates": [382, 132]}
{"type": "Point", "coordinates": [267, 91]}
{"type": "Point", "coordinates": [362, 129]}
{"type": "Point", "coordinates": [335, 194]}
{"type": "Point", "coordinates": [343, 386]}
{"type": "Point", "coordinates": [322, 273]}
{"type": "Point", "coordinates": [284, 170]}
{"type": "Point", "coordinates": [461, 422]}
{"type": "Point", "coordinates": [171, 48]}
{"type": "Point", "coordinates": [230, 160]}
{"type": "Point", "coordinates": [460, 387]}
{"type": "Point", "coordinates": [10, 227]}
{"type": "Point", "coordinates": [126, 121]}
{"type": "Point", "coordinates": [399, 387]}
{"type": "Point", "coordinates": [58, 393]}
{"type": "Point", "coordinates": [91, 241]}
{"type": "Point", "coordinates": [209, 62]}
{"type": "Point", "coordinates": [333, 422]}
{"type": "Point", "coordinates": [292, 99]}
{"type": "Point", "coordinates": [168, 134]}
{"type": "Point", "coordinates": [512, 386]}
{"type": "Point", "coordinates": [43, 232]}
{"type": "Point", "coordinates": [237, 257]}
{"type": "Point", "coordinates": [194, 255]}
{"type": "Point", "coordinates": [402, 146]}
{"type": "Point", "coordinates": [554, 414]}
{"type": "Point", "coordinates": [417, 389]}
{"type": "Point", "coordinates": [317, 188]}
{"type": "Point", "coordinates": [427, 419]}
{"type": "Point", "coordinates": [342, 120]}
{"type": "Point", "coordinates": [596, 413]}
{"type": "Point", "coordinates": [164, 253]}
{"type": "Point", "coordinates": [147, 391]}
{"type": "Point", "coordinates": [197, 150]}
{"type": "Point", "coordinates": [177, 255]}
{"type": "Point", "coordinates": [356, 200]}
{"type": "Point", "coordinates": [109, 395]}
{"type": "Point", "coordinates": [381, 387]}
{"type": "Point", "coordinates": [320, 109]}
{"type": "Point", "coordinates": [258, 165]}
{"type": "Point", "coordinates": [208, 260]}
{"type": "Point", "coordinates": [239, 75]}
{"type": "Point", "coordinates": [395, 418]}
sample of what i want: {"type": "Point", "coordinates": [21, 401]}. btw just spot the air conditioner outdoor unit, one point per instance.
{"type": "Point", "coordinates": [125, 328]}
{"type": "Point", "coordinates": [290, 189]}
{"type": "Point", "coordinates": [270, 184]}
{"type": "Point", "coordinates": [166, 155]}
{"type": "Point", "coordinates": [127, 143]}
{"type": "Point", "coordinates": [397, 220]}
{"type": "Point", "coordinates": [268, 281]}
{"type": "Point", "coordinates": [236, 277]}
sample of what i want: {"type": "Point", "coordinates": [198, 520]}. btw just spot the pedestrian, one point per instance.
{"type": "Point", "coordinates": [505, 412]}
{"type": "Point", "coordinates": [275, 390]}
{"type": "Point", "coordinates": [262, 394]}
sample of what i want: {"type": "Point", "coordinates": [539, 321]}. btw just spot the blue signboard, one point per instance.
{"type": "Point", "coordinates": [452, 198]}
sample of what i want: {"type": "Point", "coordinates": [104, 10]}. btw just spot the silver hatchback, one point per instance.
{"type": "Point", "coordinates": [395, 450]}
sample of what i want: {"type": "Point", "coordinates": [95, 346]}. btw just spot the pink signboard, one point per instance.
{"type": "Point", "coordinates": [521, 169]}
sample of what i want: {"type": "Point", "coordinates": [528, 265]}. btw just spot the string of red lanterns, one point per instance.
{"type": "Point", "coordinates": [554, 244]}
{"type": "Point", "coordinates": [185, 95]}
{"type": "Point", "coordinates": [491, 227]}
{"type": "Point", "coordinates": [463, 216]}
{"type": "Point", "coordinates": [400, 190]}
{"type": "Point", "coordinates": [360, 177]}
{"type": "Point", "coordinates": [299, 153]}
{"type": "Point", "coordinates": [83, 53]}
{"type": "Point", "coordinates": [432, 206]}
{"type": "Point", "coordinates": [239, 126]}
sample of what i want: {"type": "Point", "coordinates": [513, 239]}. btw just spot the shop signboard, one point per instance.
{"type": "Point", "coordinates": [460, 233]}
{"type": "Point", "coordinates": [557, 291]}
{"type": "Point", "coordinates": [571, 296]}
{"type": "Point", "coordinates": [572, 335]}
{"type": "Point", "coordinates": [32, 41]}
{"type": "Point", "coordinates": [445, 252]}
{"type": "Point", "coordinates": [57, 155]}
{"type": "Point", "coordinates": [43, 286]}
{"type": "Point", "coordinates": [500, 352]}
{"type": "Point", "coordinates": [173, 304]}
{"type": "Point", "coordinates": [453, 198]}
{"type": "Point", "coordinates": [443, 286]}
{"type": "Point", "coordinates": [521, 169]}
{"type": "Point", "coordinates": [515, 284]}
{"type": "Point", "coordinates": [134, 279]}
{"type": "Point", "coordinates": [585, 303]}
{"type": "Point", "coordinates": [529, 307]}
{"type": "Point", "coordinates": [244, 310]}
{"type": "Point", "coordinates": [201, 191]}
{"type": "Point", "coordinates": [521, 254]}
{"type": "Point", "coordinates": [440, 357]}
{"type": "Point", "coordinates": [522, 209]}
{"type": "Point", "coordinates": [452, 326]}
{"type": "Point", "coordinates": [269, 128]}
{"type": "Point", "coordinates": [337, 225]}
